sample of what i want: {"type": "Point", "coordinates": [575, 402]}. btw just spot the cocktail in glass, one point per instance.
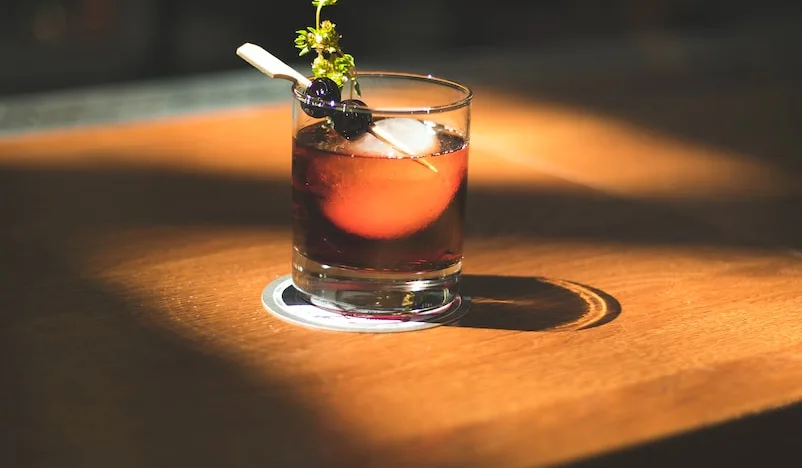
{"type": "Point", "coordinates": [378, 213]}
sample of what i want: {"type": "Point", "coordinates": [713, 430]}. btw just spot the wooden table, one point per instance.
{"type": "Point", "coordinates": [132, 258]}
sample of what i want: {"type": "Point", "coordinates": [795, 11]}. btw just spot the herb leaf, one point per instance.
{"type": "Point", "coordinates": [322, 3]}
{"type": "Point", "coordinates": [331, 61]}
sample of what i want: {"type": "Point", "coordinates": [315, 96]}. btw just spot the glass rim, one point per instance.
{"type": "Point", "coordinates": [464, 101]}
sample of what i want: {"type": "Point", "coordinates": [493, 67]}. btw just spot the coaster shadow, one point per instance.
{"type": "Point", "coordinates": [534, 304]}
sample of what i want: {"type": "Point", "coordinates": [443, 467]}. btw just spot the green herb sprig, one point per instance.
{"type": "Point", "coordinates": [324, 39]}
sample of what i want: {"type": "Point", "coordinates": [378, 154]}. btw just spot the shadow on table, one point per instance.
{"type": "Point", "coordinates": [534, 304]}
{"type": "Point", "coordinates": [75, 199]}
{"type": "Point", "coordinates": [92, 377]}
{"type": "Point", "coordinates": [766, 439]}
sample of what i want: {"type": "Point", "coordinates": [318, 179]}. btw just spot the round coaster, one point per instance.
{"type": "Point", "coordinates": [281, 299]}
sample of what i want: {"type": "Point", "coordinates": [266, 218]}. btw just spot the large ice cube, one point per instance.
{"type": "Point", "coordinates": [412, 136]}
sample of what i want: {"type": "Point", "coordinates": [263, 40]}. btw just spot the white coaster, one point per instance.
{"type": "Point", "coordinates": [281, 299]}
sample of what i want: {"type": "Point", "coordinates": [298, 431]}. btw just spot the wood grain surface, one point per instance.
{"type": "Point", "coordinates": [133, 257]}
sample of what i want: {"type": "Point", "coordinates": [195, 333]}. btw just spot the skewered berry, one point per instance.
{"type": "Point", "coordinates": [349, 122]}
{"type": "Point", "coordinates": [322, 89]}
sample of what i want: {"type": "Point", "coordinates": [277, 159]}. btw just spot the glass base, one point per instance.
{"type": "Point", "coordinates": [282, 300]}
{"type": "Point", "coordinates": [375, 294]}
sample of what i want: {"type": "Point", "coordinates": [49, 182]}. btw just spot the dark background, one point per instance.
{"type": "Point", "coordinates": [57, 44]}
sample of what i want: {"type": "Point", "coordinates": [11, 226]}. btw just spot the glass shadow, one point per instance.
{"type": "Point", "coordinates": [526, 303]}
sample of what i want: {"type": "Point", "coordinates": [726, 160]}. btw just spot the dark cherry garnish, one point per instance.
{"type": "Point", "coordinates": [324, 89]}
{"type": "Point", "coordinates": [349, 122]}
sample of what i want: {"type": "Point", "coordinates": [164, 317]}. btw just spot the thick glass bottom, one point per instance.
{"type": "Point", "coordinates": [375, 294]}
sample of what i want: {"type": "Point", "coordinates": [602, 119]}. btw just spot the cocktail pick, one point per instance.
{"type": "Point", "coordinates": [274, 67]}
{"type": "Point", "coordinates": [271, 65]}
